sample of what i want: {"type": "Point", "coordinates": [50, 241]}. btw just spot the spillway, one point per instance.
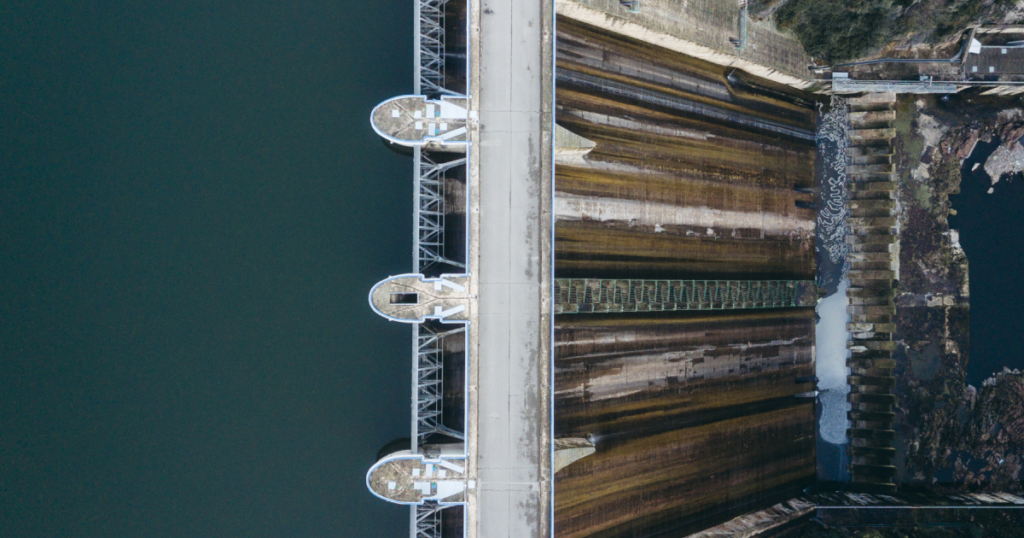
{"type": "Point", "coordinates": [675, 169]}
{"type": "Point", "coordinates": [709, 191]}
{"type": "Point", "coordinates": [693, 418]}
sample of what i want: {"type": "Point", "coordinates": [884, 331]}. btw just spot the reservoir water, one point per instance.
{"type": "Point", "coordinates": [192, 209]}
{"type": "Point", "coordinates": [989, 226]}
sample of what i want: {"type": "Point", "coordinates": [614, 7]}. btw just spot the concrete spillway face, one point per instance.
{"type": "Point", "coordinates": [571, 145]}
{"type": "Point", "coordinates": [570, 450]}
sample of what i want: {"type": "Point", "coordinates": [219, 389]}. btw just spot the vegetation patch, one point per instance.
{"type": "Point", "coordinates": [835, 31]}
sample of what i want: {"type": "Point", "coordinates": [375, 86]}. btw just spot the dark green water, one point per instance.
{"type": "Point", "coordinates": [193, 207]}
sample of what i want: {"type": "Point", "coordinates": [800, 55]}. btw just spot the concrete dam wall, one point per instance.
{"type": "Point", "coordinates": [693, 417]}
{"type": "Point", "coordinates": [668, 190]}
{"type": "Point", "coordinates": [679, 169]}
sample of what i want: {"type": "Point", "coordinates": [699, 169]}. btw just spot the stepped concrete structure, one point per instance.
{"type": "Point", "coordinates": [581, 295]}
{"type": "Point", "coordinates": [874, 265]}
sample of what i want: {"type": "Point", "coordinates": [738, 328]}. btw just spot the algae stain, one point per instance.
{"type": "Point", "coordinates": [911, 146]}
{"type": "Point", "coordinates": [923, 196]}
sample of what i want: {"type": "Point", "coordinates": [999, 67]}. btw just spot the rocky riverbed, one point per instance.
{"type": "Point", "coordinates": [949, 434]}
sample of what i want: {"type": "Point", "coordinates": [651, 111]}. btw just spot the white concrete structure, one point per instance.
{"type": "Point", "coordinates": [505, 126]}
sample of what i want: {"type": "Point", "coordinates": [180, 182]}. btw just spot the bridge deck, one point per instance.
{"type": "Point", "coordinates": [510, 178]}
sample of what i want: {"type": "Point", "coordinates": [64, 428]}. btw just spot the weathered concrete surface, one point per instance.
{"type": "Point", "coordinates": [694, 418]}
{"type": "Point", "coordinates": [414, 120]}
{"type": "Point", "coordinates": [760, 522]}
{"type": "Point", "coordinates": [510, 185]}
{"type": "Point", "coordinates": [702, 29]}
{"type": "Point", "coordinates": [570, 144]}
{"type": "Point", "coordinates": [667, 194]}
{"type": "Point", "coordinates": [570, 450]}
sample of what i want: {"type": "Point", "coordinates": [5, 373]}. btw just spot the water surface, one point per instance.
{"type": "Point", "coordinates": [192, 209]}
{"type": "Point", "coordinates": [992, 235]}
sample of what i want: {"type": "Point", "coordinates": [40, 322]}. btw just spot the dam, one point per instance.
{"type": "Point", "coordinates": [696, 172]}
{"type": "Point", "coordinates": [616, 265]}
{"type": "Point", "coordinates": [612, 290]}
{"type": "Point", "coordinates": [478, 460]}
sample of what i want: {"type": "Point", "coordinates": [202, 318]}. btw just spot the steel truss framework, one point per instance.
{"type": "Point", "coordinates": [430, 384]}
{"type": "Point", "coordinates": [430, 47]}
{"type": "Point", "coordinates": [428, 249]}
{"type": "Point", "coordinates": [606, 296]}
{"type": "Point", "coordinates": [426, 520]}
{"type": "Point", "coordinates": [429, 234]}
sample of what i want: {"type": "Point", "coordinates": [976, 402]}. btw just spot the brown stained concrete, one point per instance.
{"type": "Point", "coordinates": [639, 487]}
{"type": "Point", "coordinates": [670, 195]}
{"type": "Point", "coordinates": [590, 249]}
{"type": "Point", "coordinates": [692, 415]}
{"type": "Point", "coordinates": [427, 298]}
{"type": "Point", "coordinates": [591, 50]}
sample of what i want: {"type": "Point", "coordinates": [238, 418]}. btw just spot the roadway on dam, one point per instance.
{"type": "Point", "coordinates": [511, 185]}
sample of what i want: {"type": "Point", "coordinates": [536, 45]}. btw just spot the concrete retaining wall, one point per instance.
{"type": "Point", "coordinates": [701, 28]}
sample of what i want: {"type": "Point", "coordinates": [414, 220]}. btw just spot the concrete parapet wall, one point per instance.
{"type": "Point", "coordinates": [702, 28]}
{"type": "Point", "coordinates": [761, 522]}
{"type": "Point", "coordinates": [912, 516]}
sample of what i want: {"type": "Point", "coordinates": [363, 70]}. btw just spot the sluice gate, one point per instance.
{"type": "Point", "coordinates": [582, 295]}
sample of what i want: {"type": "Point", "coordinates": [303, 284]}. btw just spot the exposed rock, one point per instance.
{"type": "Point", "coordinates": [988, 435]}
{"type": "Point", "coordinates": [949, 434]}
{"type": "Point", "coordinates": [1008, 158]}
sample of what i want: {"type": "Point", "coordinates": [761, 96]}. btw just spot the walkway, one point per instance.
{"type": "Point", "coordinates": [511, 182]}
